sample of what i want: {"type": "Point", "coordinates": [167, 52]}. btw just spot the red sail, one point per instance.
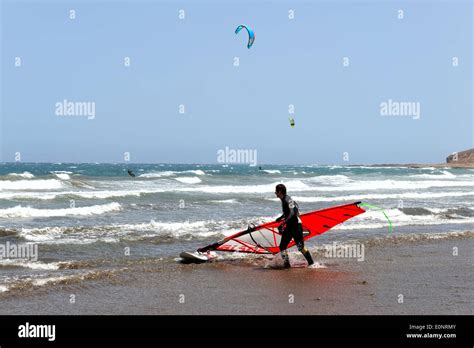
{"type": "Point", "coordinates": [265, 238]}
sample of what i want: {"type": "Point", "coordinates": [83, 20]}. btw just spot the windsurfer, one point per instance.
{"type": "Point", "coordinates": [291, 228]}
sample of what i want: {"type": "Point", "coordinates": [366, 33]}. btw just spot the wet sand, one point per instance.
{"type": "Point", "coordinates": [430, 278]}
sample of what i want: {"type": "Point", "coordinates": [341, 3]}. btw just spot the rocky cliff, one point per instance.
{"type": "Point", "coordinates": [462, 157]}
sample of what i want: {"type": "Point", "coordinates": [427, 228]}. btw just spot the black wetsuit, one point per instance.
{"type": "Point", "coordinates": [293, 228]}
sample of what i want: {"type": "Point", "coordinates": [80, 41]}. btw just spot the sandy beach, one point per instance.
{"type": "Point", "coordinates": [430, 278]}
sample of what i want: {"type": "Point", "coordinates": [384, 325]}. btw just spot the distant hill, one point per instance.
{"type": "Point", "coordinates": [463, 157]}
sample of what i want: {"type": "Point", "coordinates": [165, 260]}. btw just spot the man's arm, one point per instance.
{"type": "Point", "coordinates": [292, 207]}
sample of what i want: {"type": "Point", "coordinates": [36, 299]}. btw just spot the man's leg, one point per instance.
{"type": "Point", "coordinates": [285, 240]}
{"type": "Point", "coordinates": [300, 244]}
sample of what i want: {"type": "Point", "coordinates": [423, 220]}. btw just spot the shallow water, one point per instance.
{"type": "Point", "coordinates": [91, 219]}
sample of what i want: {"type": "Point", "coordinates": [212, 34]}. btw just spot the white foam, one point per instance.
{"type": "Point", "coordinates": [272, 171]}
{"type": "Point", "coordinates": [45, 281]}
{"type": "Point", "coordinates": [81, 194]}
{"type": "Point", "coordinates": [295, 185]}
{"type": "Point", "coordinates": [62, 175]}
{"type": "Point", "coordinates": [395, 185]}
{"type": "Point", "coordinates": [443, 174]}
{"type": "Point", "coordinates": [337, 185]}
{"type": "Point", "coordinates": [374, 167]}
{"type": "Point", "coordinates": [197, 172]}
{"type": "Point", "coordinates": [178, 229]}
{"type": "Point", "coordinates": [30, 264]}
{"type": "Point", "coordinates": [108, 194]}
{"type": "Point", "coordinates": [359, 197]}
{"type": "Point", "coordinates": [157, 174]}
{"type": "Point", "coordinates": [23, 185]}
{"type": "Point", "coordinates": [170, 173]}
{"type": "Point", "coordinates": [41, 279]}
{"type": "Point", "coordinates": [27, 212]}
{"type": "Point", "coordinates": [61, 172]}
{"type": "Point", "coordinates": [113, 233]}
{"type": "Point", "coordinates": [188, 230]}
{"type": "Point", "coordinates": [448, 174]}
{"type": "Point", "coordinates": [25, 175]}
{"type": "Point", "coordinates": [330, 179]}
{"type": "Point", "coordinates": [189, 180]}
{"type": "Point", "coordinates": [226, 201]}
{"type": "Point", "coordinates": [317, 265]}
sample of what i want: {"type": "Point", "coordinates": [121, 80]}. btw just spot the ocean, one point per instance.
{"type": "Point", "coordinates": [92, 219]}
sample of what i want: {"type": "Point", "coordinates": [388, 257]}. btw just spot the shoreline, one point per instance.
{"type": "Point", "coordinates": [419, 165]}
{"type": "Point", "coordinates": [427, 275]}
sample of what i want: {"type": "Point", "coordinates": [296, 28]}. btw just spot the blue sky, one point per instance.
{"type": "Point", "coordinates": [190, 62]}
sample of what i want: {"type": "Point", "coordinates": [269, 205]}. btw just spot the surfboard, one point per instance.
{"type": "Point", "coordinates": [197, 257]}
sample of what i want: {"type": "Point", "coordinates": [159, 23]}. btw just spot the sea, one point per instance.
{"type": "Point", "coordinates": [85, 218]}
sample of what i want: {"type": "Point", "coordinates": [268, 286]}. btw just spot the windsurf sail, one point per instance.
{"type": "Point", "coordinates": [265, 238]}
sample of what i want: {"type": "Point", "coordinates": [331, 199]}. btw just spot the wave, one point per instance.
{"type": "Point", "coordinates": [271, 171]}
{"type": "Point", "coordinates": [30, 264]}
{"type": "Point", "coordinates": [197, 172]}
{"type": "Point", "coordinates": [394, 185]}
{"type": "Point", "coordinates": [294, 185]}
{"type": "Point", "coordinates": [28, 212]}
{"type": "Point", "coordinates": [170, 173]}
{"type": "Point", "coordinates": [156, 174]}
{"type": "Point", "coordinates": [77, 194]}
{"type": "Point", "coordinates": [158, 231]}
{"type": "Point", "coordinates": [107, 194]}
{"type": "Point", "coordinates": [62, 175]}
{"type": "Point", "coordinates": [161, 231]}
{"type": "Point", "coordinates": [304, 185]}
{"type": "Point", "coordinates": [23, 185]}
{"type": "Point", "coordinates": [226, 201]}
{"type": "Point", "coordinates": [330, 179]}
{"type": "Point", "coordinates": [24, 175]}
{"type": "Point", "coordinates": [374, 167]}
{"type": "Point", "coordinates": [4, 232]}
{"type": "Point", "coordinates": [189, 180]}
{"type": "Point", "coordinates": [354, 198]}
{"type": "Point", "coordinates": [55, 265]}
{"type": "Point", "coordinates": [444, 174]}
{"type": "Point", "coordinates": [70, 235]}
{"type": "Point", "coordinates": [166, 231]}
{"type": "Point", "coordinates": [14, 284]}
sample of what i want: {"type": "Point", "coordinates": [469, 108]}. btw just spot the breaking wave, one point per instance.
{"type": "Point", "coordinates": [28, 212]}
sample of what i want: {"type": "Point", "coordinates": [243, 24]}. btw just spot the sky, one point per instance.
{"type": "Point", "coordinates": [294, 61]}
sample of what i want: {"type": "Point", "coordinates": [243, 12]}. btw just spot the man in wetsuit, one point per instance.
{"type": "Point", "coordinates": [292, 228]}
